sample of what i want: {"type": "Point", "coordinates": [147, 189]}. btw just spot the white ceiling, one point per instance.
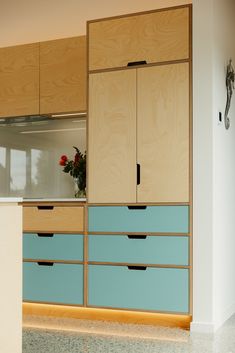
{"type": "Point", "coordinates": [25, 21]}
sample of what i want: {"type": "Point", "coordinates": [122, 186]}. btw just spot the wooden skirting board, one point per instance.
{"type": "Point", "coordinates": [121, 316]}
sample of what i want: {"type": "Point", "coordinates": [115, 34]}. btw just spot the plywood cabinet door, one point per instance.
{"type": "Point", "coordinates": [63, 75]}
{"type": "Point", "coordinates": [156, 36]}
{"type": "Point", "coordinates": [19, 80]}
{"type": "Point", "coordinates": [163, 133]}
{"type": "Point", "coordinates": [112, 137]}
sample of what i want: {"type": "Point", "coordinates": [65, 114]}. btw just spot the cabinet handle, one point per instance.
{"type": "Point", "coordinates": [137, 207]}
{"type": "Point", "coordinates": [45, 207]}
{"type": "Point", "coordinates": [137, 236]}
{"type": "Point", "coordinates": [46, 235]}
{"type": "Point", "coordinates": [134, 63]}
{"type": "Point", "coordinates": [137, 268]}
{"type": "Point", "coordinates": [41, 263]}
{"type": "Point", "coordinates": [138, 173]}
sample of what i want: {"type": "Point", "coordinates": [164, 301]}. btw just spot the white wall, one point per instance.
{"type": "Point", "coordinates": [214, 167]}
{"type": "Point", "coordinates": [202, 166]}
{"type": "Point", "coordinates": [28, 21]}
{"type": "Point", "coordinates": [223, 166]}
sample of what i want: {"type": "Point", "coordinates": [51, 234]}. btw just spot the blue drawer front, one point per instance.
{"type": "Point", "coordinates": [60, 283]}
{"type": "Point", "coordinates": [156, 289]}
{"type": "Point", "coordinates": [171, 250]}
{"type": "Point", "coordinates": [163, 219]}
{"type": "Point", "coordinates": [59, 247]}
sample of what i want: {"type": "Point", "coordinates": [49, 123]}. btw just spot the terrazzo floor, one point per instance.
{"type": "Point", "coordinates": [84, 336]}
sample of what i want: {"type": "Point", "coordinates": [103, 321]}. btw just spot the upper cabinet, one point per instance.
{"type": "Point", "coordinates": [43, 78]}
{"type": "Point", "coordinates": [19, 80]}
{"type": "Point", "coordinates": [63, 75]}
{"type": "Point", "coordinates": [139, 135]}
{"type": "Point", "coordinates": [154, 37]}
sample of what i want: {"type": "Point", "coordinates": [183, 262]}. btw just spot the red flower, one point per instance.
{"type": "Point", "coordinates": [64, 158]}
{"type": "Point", "coordinates": [62, 162]}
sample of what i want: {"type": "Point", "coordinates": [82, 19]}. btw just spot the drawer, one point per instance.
{"type": "Point", "coordinates": [160, 219]}
{"type": "Point", "coordinates": [154, 289]}
{"type": "Point", "coordinates": [60, 283]}
{"type": "Point", "coordinates": [171, 250]}
{"type": "Point", "coordinates": [53, 219]}
{"type": "Point", "coordinates": [53, 246]}
{"type": "Point", "coordinates": [154, 37]}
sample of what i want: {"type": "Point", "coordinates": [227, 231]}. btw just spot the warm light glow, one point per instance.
{"type": "Point", "coordinates": [67, 114]}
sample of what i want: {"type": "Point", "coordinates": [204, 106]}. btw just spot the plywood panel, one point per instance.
{"type": "Point", "coordinates": [112, 137]}
{"type": "Point", "coordinates": [63, 75]}
{"type": "Point", "coordinates": [19, 80]}
{"type": "Point", "coordinates": [163, 133]}
{"type": "Point", "coordinates": [154, 37]}
{"type": "Point", "coordinates": [58, 219]}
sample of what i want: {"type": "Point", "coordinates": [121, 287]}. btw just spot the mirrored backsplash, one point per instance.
{"type": "Point", "coordinates": [30, 150]}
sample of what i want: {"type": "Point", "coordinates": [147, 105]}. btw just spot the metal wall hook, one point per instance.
{"type": "Point", "coordinates": [230, 79]}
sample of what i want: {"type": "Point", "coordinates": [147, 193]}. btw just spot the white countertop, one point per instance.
{"type": "Point", "coordinates": [75, 199]}
{"type": "Point", "coordinates": [10, 199]}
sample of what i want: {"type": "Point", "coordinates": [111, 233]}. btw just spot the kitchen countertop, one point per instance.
{"type": "Point", "coordinates": [10, 199]}
{"type": "Point", "coordinates": [54, 200]}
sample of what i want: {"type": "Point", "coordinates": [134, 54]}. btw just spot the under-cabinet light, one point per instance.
{"type": "Point", "coordinates": [55, 130]}
{"type": "Point", "coordinates": [68, 114]}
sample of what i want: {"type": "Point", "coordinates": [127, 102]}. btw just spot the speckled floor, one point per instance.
{"type": "Point", "coordinates": [84, 336]}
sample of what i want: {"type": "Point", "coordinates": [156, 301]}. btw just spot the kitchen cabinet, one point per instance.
{"type": "Point", "coordinates": [19, 77]}
{"type": "Point", "coordinates": [139, 118]}
{"type": "Point", "coordinates": [139, 258]}
{"type": "Point", "coordinates": [63, 75]}
{"type": "Point", "coordinates": [154, 36]}
{"type": "Point", "coordinates": [53, 253]}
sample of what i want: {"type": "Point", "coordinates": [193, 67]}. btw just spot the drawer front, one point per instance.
{"type": "Point", "coordinates": [163, 219]}
{"type": "Point", "coordinates": [55, 247]}
{"type": "Point", "coordinates": [156, 289]}
{"type": "Point", "coordinates": [56, 219]}
{"type": "Point", "coordinates": [60, 283]}
{"type": "Point", "coordinates": [150, 250]}
{"type": "Point", "coordinates": [154, 37]}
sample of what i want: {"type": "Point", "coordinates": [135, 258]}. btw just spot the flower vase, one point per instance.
{"type": "Point", "coordinates": [78, 193]}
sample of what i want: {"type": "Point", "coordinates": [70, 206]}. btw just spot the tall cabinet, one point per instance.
{"type": "Point", "coordinates": [139, 162]}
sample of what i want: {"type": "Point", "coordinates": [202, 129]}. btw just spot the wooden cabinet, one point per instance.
{"type": "Point", "coordinates": [163, 133]}
{"type": "Point", "coordinates": [155, 36]}
{"type": "Point", "coordinates": [19, 80]}
{"type": "Point", "coordinates": [112, 137]}
{"type": "Point", "coordinates": [44, 218]}
{"type": "Point", "coordinates": [63, 75]}
{"type": "Point", "coordinates": [53, 253]}
{"type": "Point", "coordinates": [139, 116]}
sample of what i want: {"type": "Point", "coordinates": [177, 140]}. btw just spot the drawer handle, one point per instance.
{"type": "Point", "coordinates": [133, 63]}
{"type": "Point", "coordinates": [45, 235]}
{"type": "Point", "coordinates": [45, 263]}
{"type": "Point", "coordinates": [137, 236]}
{"type": "Point", "coordinates": [138, 173]}
{"type": "Point", "coordinates": [45, 207]}
{"type": "Point", "coordinates": [137, 268]}
{"type": "Point", "coordinates": [137, 207]}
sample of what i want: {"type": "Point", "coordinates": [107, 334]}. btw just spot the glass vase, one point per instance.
{"type": "Point", "coordinates": [78, 193]}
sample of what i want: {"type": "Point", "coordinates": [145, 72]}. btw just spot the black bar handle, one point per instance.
{"type": "Point", "coordinates": [137, 207]}
{"type": "Point", "coordinates": [46, 235]}
{"type": "Point", "coordinates": [134, 63]}
{"type": "Point", "coordinates": [138, 173]}
{"type": "Point", "coordinates": [42, 263]}
{"type": "Point", "coordinates": [45, 207]}
{"type": "Point", "coordinates": [137, 268]}
{"type": "Point", "coordinates": [137, 236]}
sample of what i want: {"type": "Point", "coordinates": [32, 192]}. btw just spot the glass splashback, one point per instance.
{"type": "Point", "coordinates": [30, 150]}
